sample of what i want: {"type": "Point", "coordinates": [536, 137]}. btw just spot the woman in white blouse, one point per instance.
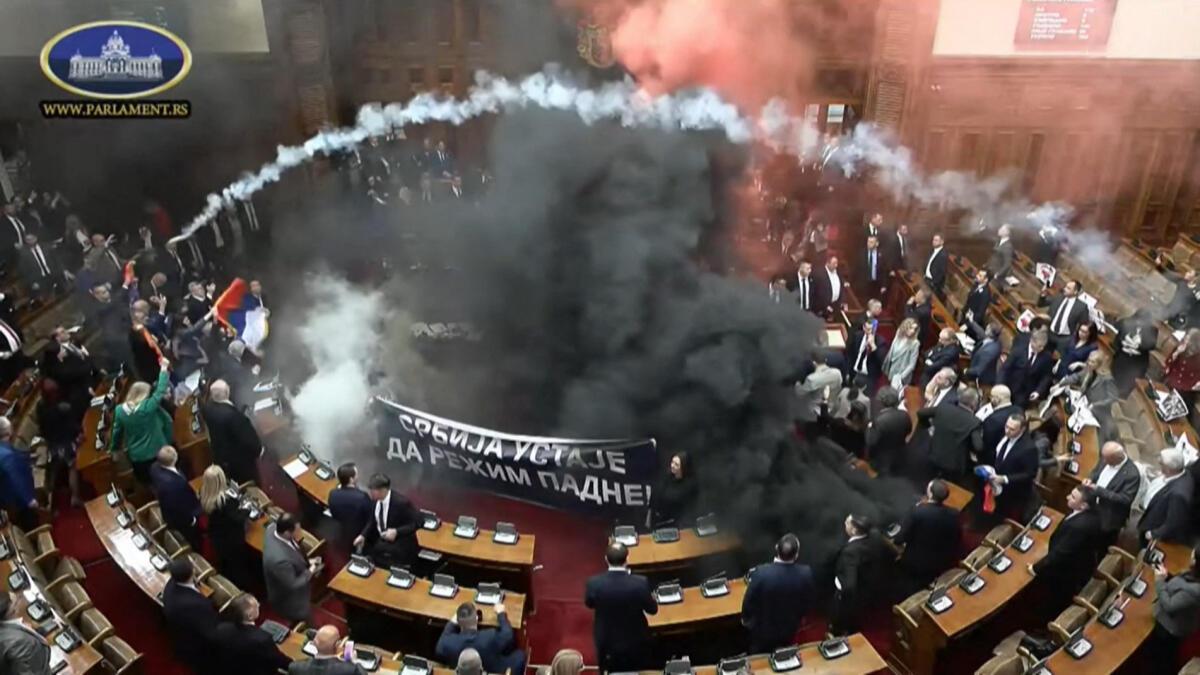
{"type": "Point", "coordinates": [901, 359]}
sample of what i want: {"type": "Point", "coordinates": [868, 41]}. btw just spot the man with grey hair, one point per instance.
{"type": "Point", "coordinates": [21, 649]}
{"type": "Point", "coordinates": [469, 663]}
{"type": "Point", "coordinates": [943, 355]}
{"type": "Point", "coordinates": [1115, 482]}
{"type": "Point", "coordinates": [1001, 262]}
{"type": "Point", "coordinates": [17, 492]}
{"type": "Point", "coordinates": [942, 388]}
{"type": "Point", "coordinates": [235, 443]}
{"type": "Point", "coordinates": [1168, 502]}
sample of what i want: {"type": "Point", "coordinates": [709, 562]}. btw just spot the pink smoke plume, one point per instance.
{"type": "Point", "coordinates": [749, 51]}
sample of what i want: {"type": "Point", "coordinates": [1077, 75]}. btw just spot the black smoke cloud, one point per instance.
{"type": "Point", "coordinates": [585, 269]}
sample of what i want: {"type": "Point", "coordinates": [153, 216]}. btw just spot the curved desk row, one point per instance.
{"type": "Point", "coordinates": [81, 660]}
{"type": "Point", "coordinates": [480, 551]}
{"type": "Point", "coordinates": [373, 592]}
{"type": "Point", "coordinates": [862, 660]}
{"type": "Point", "coordinates": [1111, 647]}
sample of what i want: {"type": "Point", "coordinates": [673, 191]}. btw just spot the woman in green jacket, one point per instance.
{"type": "Point", "coordinates": [142, 424]}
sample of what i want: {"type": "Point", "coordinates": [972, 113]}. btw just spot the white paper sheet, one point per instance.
{"type": "Point", "coordinates": [295, 468]}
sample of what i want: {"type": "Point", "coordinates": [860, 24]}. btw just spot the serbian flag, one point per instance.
{"type": "Point", "coordinates": [128, 275]}
{"type": "Point", "coordinates": [239, 310]}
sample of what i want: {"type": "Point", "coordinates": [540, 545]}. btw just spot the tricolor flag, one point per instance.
{"type": "Point", "coordinates": [237, 309]}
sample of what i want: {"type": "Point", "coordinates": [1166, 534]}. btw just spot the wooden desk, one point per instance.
{"type": "Point", "coordinates": [1177, 427]}
{"type": "Point", "coordinates": [190, 436]}
{"type": "Point", "coordinates": [649, 556]}
{"type": "Point", "coordinates": [373, 593]}
{"type": "Point", "coordinates": [935, 631]}
{"type": "Point", "coordinates": [1111, 647]}
{"type": "Point", "coordinates": [481, 551]}
{"type": "Point", "coordinates": [862, 660]}
{"type": "Point", "coordinates": [696, 609]}
{"type": "Point", "coordinates": [118, 541]}
{"type": "Point", "coordinates": [84, 658]}
{"type": "Point", "coordinates": [1088, 458]}
{"type": "Point", "coordinates": [96, 464]}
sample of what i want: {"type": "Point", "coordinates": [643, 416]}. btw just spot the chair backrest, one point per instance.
{"type": "Point", "coordinates": [976, 559]}
{"type": "Point", "coordinates": [121, 658]}
{"type": "Point", "coordinates": [907, 617]}
{"type": "Point", "coordinates": [1002, 664]}
{"type": "Point", "coordinates": [949, 578]}
{"type": "Point", "coordinates": [1068, 621]}
{"type": "Point", "coordinates": [254, 492]}
{"type": "Point", "coordinates": [94, 626]}
{"type": "Point", "coordinates": [1191, 667]}
{"type": "Point", "coordinates": [203, 569]}
{"type": "Point", "coordinates": [1001, 535]}
{"type": "Point", "coordinates": [1113, 568]}
{"type": "Point", "coordinates": [1093, 594]}
{"type": "Point", "coordinates": [174, 544]}
{"type": "Point", "coordinates": [224, 591]}
{"type": "Point", "coordinates": [310, 544]}
{"type": "Point", "coordinates": [71, 597]}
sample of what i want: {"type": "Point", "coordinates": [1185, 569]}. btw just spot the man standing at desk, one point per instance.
{"type": "Point", "coordinates": [391, 534]}
{"type": "Point", "coordinates": [1115, 481]}
{"type": "Point", "coordinates": [235, 443]}
{"type": "Point", "coordinates": [288, 574]}
{"type": "Point", "coordinates": [350, 507]}
{"type": "Point", "coordinates": [21, 649]}
{"type": "Point", "coordinates": [191, 620]}
{"type": "Point", "coordinates": [621, 601]}
{"type": "Point", "coordinates": [777, 598]}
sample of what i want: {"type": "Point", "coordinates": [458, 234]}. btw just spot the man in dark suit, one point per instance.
{"type": "Point", "coordinates": [888, 433]}
{"type": "Point", "coordinates": [246, 648]}
{"type": "Point", "coordinates": [873, 271]}
{"type": "Point", "coordinates": [1071, 556]}
{"type": "Point", "coordinates": [1168, 502]}
{"type": "Point", "coordinates": [236, 446]}
{"type": "Point", "coordinates": [956, 434]}
{"type": "Point", "coordinates": [391, 533]}
{"type": "Point", "coordinates": [830, 288]}
{"type": "Point", "coordinates": [919, 308]}
{"type": "Point", "coordinates": [983, 368]}
{"type": "Point", "coordinates": [874, 227]}
{"type": "Point", "coordinates": [931, 537]}
{"type": "Point", "coordinates": [1028, 371]}
{"type": "Point", "coordinates": [779, 595]}
{"type": "Point", "coordinates": [935, 267]}
{"type": "Point", "coordinates": [350, 507]}
{"type": "Point", "coordinates": [801, 284]}
{"type": "Point", "coordinates": [177, 500]}
{"type": "Point", "coordinates": [191, 620]}
{"type": "Point", "coordinates": [864, 354]}
{"type": "Point", "coordinates": [993, 425]}
{"type": "Point", "coordinates": [1067, 311]}
{"type": "Point", "coordinates": [328, 660]}
{"type": "Point", "coordinates": [22, 650]}
{"type": "Point", "coordinates": [897, 246]}
{"type": "Point", "coordinates": [494, 645]}
{"type": "Point", "coordinates": [1114, 483]}
{"type": "Point", "coordinates": [1001, 262]}
{"type": "Point", "coordinates": [1016, 466]}
{"type": "Point", "coordinates": [974, 311]}
{"type": "Point", "coordinates": [621, 601]}
{"type": "Point", "coordinates": [943, 355]}
{"type": "Point", "coordinates": [1047, 246]}
{"type": "Point", "coordinates": [39, 268]}
{"type": "Point", "coordinates": [857, 575]}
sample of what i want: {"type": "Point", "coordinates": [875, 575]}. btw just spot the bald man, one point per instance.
{"type": "Point", "coordinates": [236, 446]}
{"type": "Point", "coordinates": [1115, 482]}
{"type": "Point", "coordinates": [328, 659]}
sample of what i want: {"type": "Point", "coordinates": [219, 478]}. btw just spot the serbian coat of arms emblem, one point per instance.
{"type": "Point", "coordinates": [595, 44]}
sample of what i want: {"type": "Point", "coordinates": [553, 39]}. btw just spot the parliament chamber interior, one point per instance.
{"type": "Point", "coordinates": [466, 337]}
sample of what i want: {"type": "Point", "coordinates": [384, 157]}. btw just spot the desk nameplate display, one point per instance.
{"type": "Point", "coordinates": [665, 535]}
{"type": "Point", "coordinates": [834, 649]}
{"type": "Point", "coordinates": [443, 586]}
{"type": "Point", "coordinates": [714, 588]}
{"type": "Point", "coordinates": [1000, 564]}
{"type": "Point", "coordinates": [668, 594]}
{"type": "Point", "coordinates": [625, 535]}
{"type": "Point", "coordinates": [1042, 522]}
{"type": "Point", "coordinates": [939, 604]}
{"type": "Point", "coordinates": [1023, 543]}
{"type": "Point", "coordinates": [400, 578]}
{"type": "Point", "coordinates": [506, 534]}
{"type": "Point", "coordinates": [783, 660]}
{"type": "Point", "coordinates": [466, 528]}
{"type": "Point", "coordinates": [360, 566]}
{"type": "Point", "coordinates": [972, 584]}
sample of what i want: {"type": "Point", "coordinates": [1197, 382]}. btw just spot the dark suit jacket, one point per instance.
{"type": "Point", "coordinates": [324, 667]}
{"type": "Point", "coordinates": [1023, 380]}
{"type": "Point", "coordinates": [1071, 556]}
{"type": "Point", "coordinates": [859, 568]}
{"type": "Point", "coordinates": [1079, 312]}
{"type": "Point", "coordinates": [984, 362]}
{"type": "Point", "coordinates": [402, 516]}
{"type": "Point", "coordinates": [993, 431]}
{"type": "Point", "coordinates": [491, 643]}
{"type": "Point", "coordinates": [1168, 515]}
{"type": "Point", "coordinates": [883, 266]}
{"type": "Point", "coordinates": [31, 272]}
{"type": "Point", "coordinates": [178, 501]}
{"type": "Point", "coordinates": [899, 259]}
{"type": "Point", "coordinates": [1000, 264]}
{"type": "Point", "coordinates": [932, 539]}
{"type": "Point", "coordinates": [941, 356]}
{"type": "Point", "coordinates": [823, 291]}
{"type": "Point", "coordinates": [620, 601]}
{"type": "Point", "coordinates": [1020, 465]}
{"type": "Point", "coordinates": [249, 650]}
{"type": "Point", "coordinates": [887, 436]}
{"type": "Point", "coordinates": [936, 278]}
{"type": "Point", "coordinates": [794, 285]}
{"type": "Point", "coordinates": [956, 433]}
{"type": "Point", "coordinates": [192, 623]}
{"type": "Point", "coordinates": [1115, 501]}
{"type": "Point", "coordinates": [235, 443]}
{"type": "Point", "coordinates": [979, 298]}
{"type": "Point", "coordinates": [352, 509]}
{"type": "Point", "coordinates": [874, 359]}
{"type": "Point", "coordinates": [778, 597]}
{"type": "Point", "coordinates": [22, 651]}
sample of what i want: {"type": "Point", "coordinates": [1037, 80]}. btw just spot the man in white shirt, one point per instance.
{"type": "Point", "coordinates": [1067, 311]}
{"type": "Point", "coordinates": [856, 575]}
{"type": "Point", "coordinates": [1115, 482]}
{"type": "Point", "coordinates": [935, 268]}
{"type": "Point", "coordinates": [804, 286]}
{"type": "Point", "coordinates": [830, 288]}
{"type": "Point", "coordinates": [1167, 505]}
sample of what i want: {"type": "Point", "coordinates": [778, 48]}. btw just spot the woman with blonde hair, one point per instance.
{"type": "Point", "coordinates": [226, 526]}
{"type": "Point", "coordinates": [566, 662]}
{"type": "Point", "coordinates": [1096, 382]}
{"type": "Point", "coordinates": [141, 424]}
{"type": "Point", "coordinates": [901, 359]}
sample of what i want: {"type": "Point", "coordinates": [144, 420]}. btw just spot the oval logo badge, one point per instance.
{"type": "Point", "coordinates": [116, 59]}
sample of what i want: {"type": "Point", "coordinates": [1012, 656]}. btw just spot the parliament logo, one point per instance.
{"type": "Point", "coordinates": [116, 61]}
{"type": "Point", "coordinates": [595, 44]}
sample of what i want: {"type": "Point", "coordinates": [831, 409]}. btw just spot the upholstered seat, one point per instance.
{"type": "Point", "coordinates": [120, 657]}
